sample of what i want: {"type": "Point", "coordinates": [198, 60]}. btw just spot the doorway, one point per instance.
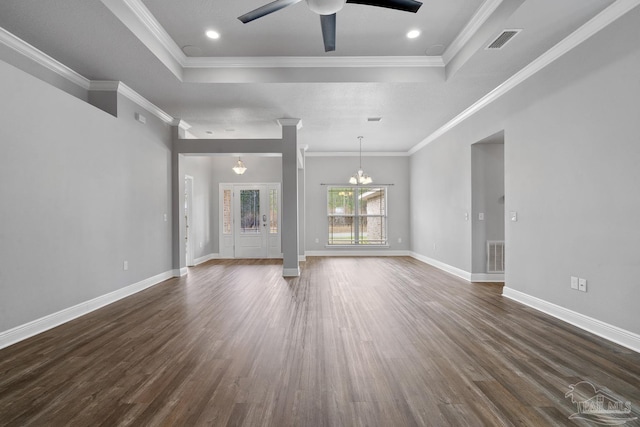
{"type": "Point", "coordinates": [250, 221]}
{"type": "Point", "coordinates": [487, 207]}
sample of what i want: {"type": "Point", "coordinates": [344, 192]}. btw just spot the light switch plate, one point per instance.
{"type": "Point", "coordinates": [514, 216]}
{"type": "Point", "coordinates": [582, 285]}
{"type": "Point", "coordinates": [481, 216]}
{"type": "Point", "coordinates": [574, 282]}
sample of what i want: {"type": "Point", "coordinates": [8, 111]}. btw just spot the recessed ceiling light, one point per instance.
{"type": "Point", "coordinates": [213, 34]}
{"type": "Point", "coordinates": [413, 34]}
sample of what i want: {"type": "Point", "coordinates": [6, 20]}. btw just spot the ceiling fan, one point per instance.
{"type": "Point", "coordinates": [327, 10]}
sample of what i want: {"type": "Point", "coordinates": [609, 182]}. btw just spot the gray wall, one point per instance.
{"type": "Point", "coordinates": [29, 66]}
{"type": "Point", "coordinates": [440, 198]}
{"type": "Point", "coordinates": [487, 197]}
{"type": "Point", "coordinates": [338, 170]}
{"type": "Point", "coordinates": [571, 173]}
{"type": "Point", "coordinates": [81, 192]}
{"type": "Point", "coordinates": [204, 193]}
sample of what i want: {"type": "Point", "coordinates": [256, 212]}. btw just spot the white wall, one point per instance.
{"type": "Point", "coordinates": [81, 192]}
{"type": "Point", "coordinates": [571, 173]}
{"type": "Point", "coordinates": [338, 170]}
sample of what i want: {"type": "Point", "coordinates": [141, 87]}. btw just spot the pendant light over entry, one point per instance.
{"type": "Point", "coordinates": [239, 168]}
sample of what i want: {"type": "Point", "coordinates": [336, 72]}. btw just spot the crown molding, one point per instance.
{"type": "Point", "coordinates": [290, 122]}
{"type": "Point", "coordinates": [42, 58]}
{"type": "Point", "coordinates": [134, 15]}
{"type": "Point", "coordinates": [480, 17]}
{"type": "Point", "coordinates": [597, 23]}
{"type": "Point", "coordinates": [151, 23]}
{"type": "Point", "coordinates": [314, 62]}
{"type": "Point", "coordinates": [181, 124]}
{"type": "Point", "coordinates": [144, 103]}
{"type": "Point", "coordinates": [356, 154]}
{"type": "Point", "coordinates": [132, 95]}
{"type": "Point", "coordinates": [104, 85]}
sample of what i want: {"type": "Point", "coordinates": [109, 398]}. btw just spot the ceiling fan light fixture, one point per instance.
{"type": "Point", "coordinates": [413, 34]}
{"type": "Point", "coordinates": [326, 7]}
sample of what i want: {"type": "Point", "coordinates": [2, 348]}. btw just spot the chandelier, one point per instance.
{"type": "Point", "coordinates": [360, 178]}
{"type": "Point", "coordinates": [239, 168]}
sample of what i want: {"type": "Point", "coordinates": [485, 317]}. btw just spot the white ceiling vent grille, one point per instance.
{"type": "Point", "coordinates": [502, 39]}
{"type": "Point", "coordinates": [495, 256]}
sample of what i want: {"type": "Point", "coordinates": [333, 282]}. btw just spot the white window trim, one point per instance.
{"type": "Point", "coordinates": [357, 215]}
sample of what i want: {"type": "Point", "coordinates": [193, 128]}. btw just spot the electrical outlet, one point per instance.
{"type": "Point", "coordinates": [165, 217]}
{"type": "Point", "coordinates": [125, 265]}
{"type": "Point", "coordinates": [582, 285]}
{"type": "Point", "coordinates": [574, 282]}
{"type": "Point", "coordinates": [201, 244]}
{"type": "Point", "coordinates": [466, 216]}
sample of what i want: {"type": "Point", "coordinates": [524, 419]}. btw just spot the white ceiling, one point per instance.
{"type": "Point", "coordinates": [241, 81]}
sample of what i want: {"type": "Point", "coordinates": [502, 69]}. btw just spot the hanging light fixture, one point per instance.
{"type": "Point", "coordinates": [239, 168]}
{"type": "Point", "coordinates": [360, 177]}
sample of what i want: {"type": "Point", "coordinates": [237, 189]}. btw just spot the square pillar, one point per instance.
{"type": "Point", "coordinates": [290, 220]}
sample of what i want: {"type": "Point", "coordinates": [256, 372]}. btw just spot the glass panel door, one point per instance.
{"type": "Point", "coordinates": [250, 220]}
{"type": "Point", "coordinates": [250, 238]}
{"type": "Point", "coordinates": [250, 211]}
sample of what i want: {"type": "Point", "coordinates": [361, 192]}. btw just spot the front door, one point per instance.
{"type": "Point", "coordinates": [250, 226]}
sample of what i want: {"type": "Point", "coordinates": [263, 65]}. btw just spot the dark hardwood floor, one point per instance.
{"type": "Point", "coordinates": [351, 342]}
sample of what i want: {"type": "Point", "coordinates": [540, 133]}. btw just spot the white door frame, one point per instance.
{"type": "Point", "coordinates": [228, 233]}
{"type": "Point", "coordinates": [188, 217]}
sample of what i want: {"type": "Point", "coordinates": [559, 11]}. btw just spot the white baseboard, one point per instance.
{"type": "Point", "coordinates": [487, 277]}
{"type": "Point", "coordinates": [179, 272]}
{"type": "Point", "coordinates": [291, 272]}
{"type": "Point", "coordinates": [612, 333]}
{"type": "Point", "coordinates": [442, 266]}
{"type": "Point", "coordinates": [351, 252]}
{"type": "Point", "coordinates": [50, 321]}
{"type": "Point", "coordinates": [206, 258]}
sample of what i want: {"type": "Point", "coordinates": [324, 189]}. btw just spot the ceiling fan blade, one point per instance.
{"type": "Point", "coordinates": [266, 9]}
{"type": "Point", "coordinates": [404, 5]}
{"type": "Point", "coordinates": [328, 24]}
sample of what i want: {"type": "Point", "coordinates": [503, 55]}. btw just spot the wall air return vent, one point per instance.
{"type": "Point", "coordinates": [502, 39]}
{"type": "Point", "coordinates": [495, 256]}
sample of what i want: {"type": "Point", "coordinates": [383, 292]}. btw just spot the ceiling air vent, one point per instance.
{"type": "Point", "coordinates": [502, 39]}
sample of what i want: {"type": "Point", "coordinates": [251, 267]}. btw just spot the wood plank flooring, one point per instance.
{"type": "Point", "coordinates": [351, 342]}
